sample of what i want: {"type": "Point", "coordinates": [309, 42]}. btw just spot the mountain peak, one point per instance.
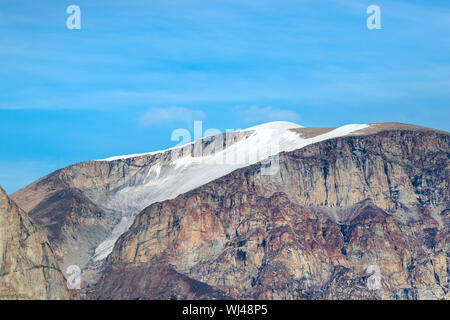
{"type": "Point", "coordinates": [275, 125]}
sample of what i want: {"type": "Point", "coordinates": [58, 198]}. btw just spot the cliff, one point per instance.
{"type": "Point", "coordinates": [28, 269]}
{"type": "Point", "coordinates": [338, 213]}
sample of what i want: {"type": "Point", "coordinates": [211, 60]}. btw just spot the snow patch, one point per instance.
{"type": "Point", "coordinates": [167, 181]}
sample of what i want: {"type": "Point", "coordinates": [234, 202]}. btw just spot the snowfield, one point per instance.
{"type": "Point", "coordinates": [167, 181]}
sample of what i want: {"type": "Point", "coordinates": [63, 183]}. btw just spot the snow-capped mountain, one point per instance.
{"type": "Point", "coordinates": [98, 200]}
{"type": "Point", "coordinates": [166, 180]}
{"type": "Point", "coordinates": [364, 216]}
{"type": "Point", "coordinates": [210, 195]}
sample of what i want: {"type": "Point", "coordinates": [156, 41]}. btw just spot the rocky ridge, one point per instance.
{"type": "Point", "coordinates": [335, 212]}
{"type": "Point", "coordinates": [28, 268]}
{"type": "Point", "coordinates": [337, 208]}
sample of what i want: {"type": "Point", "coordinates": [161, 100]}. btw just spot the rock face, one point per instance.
{"type": "Point", "coordinates": [347, 213]}
{"type": "Point", "coordinates": [28, 269]}
{"type": "Point", "coordinates": [86, 206]}
{"type": "Point", "coordinates": [357, 217]}
{"type": "Point", "coordinates": [153, 281]}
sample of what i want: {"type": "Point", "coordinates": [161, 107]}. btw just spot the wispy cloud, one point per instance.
{"type": "Point", "coordinates": [263, 114]}
{"type": "Point", "coordinates": [169, 115]}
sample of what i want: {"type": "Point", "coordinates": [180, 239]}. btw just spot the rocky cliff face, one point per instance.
{"type": "Point", "coordinates": [363, 216]}
{"type": "Point", "coordinates": [358, 217]}
{"type": "Point", "coordinates": [28, 269]}
{"type": "Point", "coordinates": [86, 206]}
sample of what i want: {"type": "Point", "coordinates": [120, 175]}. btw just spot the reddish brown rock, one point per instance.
{"type": "Point", "coordinates": [334, 211]}
{"type": "Point", "coordinates": [379, 197]}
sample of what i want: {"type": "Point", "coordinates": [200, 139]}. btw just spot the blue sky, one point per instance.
{"type": "Point", "coordinates": [137, 70]}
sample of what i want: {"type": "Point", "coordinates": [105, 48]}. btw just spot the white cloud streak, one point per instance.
{"type": "Point", "coordinates": [168, 115]}
{"type": "Point", "coordinates": [264, 114]}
